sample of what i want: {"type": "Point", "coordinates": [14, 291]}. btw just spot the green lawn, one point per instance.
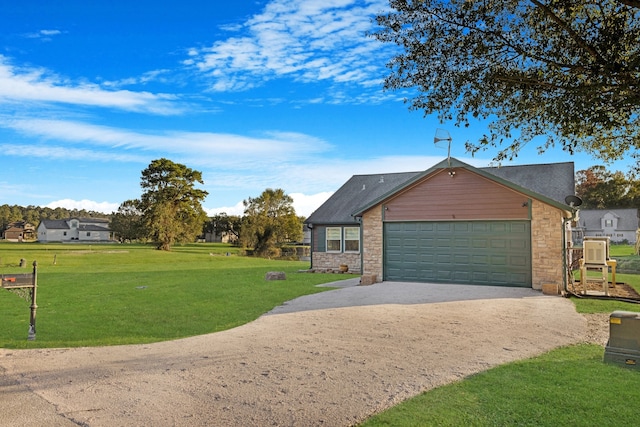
{"type": "Point", "coordinates": [569, 386]}
{"type": "Point", "coordinates": [122, 294]}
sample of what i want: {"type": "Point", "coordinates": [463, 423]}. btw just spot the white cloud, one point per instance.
{"type": "Point", "coordinates": [304, 204]}
{"type": "Point", "coordinates": [66, 153]}
{"type": "Point", "coordinates": [199, 147]}
{"type": "Point", "coordinates": [149, 76]}
{"type": "Point", "coordinates": [37, 85]}
{"type": "Point", "coordinates": [44, 35]}
{"type": "Point", "coordinates": [304, 40]}
{"type": "Point", "coordinates": [237, 209]}
{"type": "Point", "coordinates": [50, 32]}
{"type": "Point", "coordinates": [89, 205]}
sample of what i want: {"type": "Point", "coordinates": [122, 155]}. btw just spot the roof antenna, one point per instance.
{"type": "Point", "coordinates": [443, 135]}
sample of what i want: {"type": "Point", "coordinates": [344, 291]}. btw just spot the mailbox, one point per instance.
{"type": "Point", "coordinates": [623, 347]}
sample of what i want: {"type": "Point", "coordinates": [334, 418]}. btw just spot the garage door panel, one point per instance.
{"type": "Point", "coordinates": [426, 226]}
{"type": "Point", "coordinates": [461, 259]}
{"type": "Point", "coordinates": [498, 243]}
{"type": "Point", "coordinates": [427, 259]}
{"type": "Point", "coordinates": [479, 243]}
{"type": "Point", "coordinates": [519, 227]}
{"type": "Point", "coordinates": [480, 278]}
{"type": "Point", "coordinates": [445, 227]}
{"type": "Point", "coordinates": [473, 252]}
{"type": "Point", "coordinates": [394, 226]}
{"type": "Point", "coordinates": [461, 242]}
{"type": "Point", "coordinates": [518, 245]}
{"type": "Point", "coordinates": [427, 275]}
{"type": "Point", "coordinates": [479, 259]}
{"type": "Point", "coordinates": [462, 227]}
{"type": "Point", "coordinates": [479, 227]}
{"type": "Point", "coordinates": [443, 242]}
{"type": "Point", "coordinates": [519, 261]}
{"type": "Point", "coordinates": [412, 226]}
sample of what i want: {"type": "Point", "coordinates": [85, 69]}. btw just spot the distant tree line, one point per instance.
{"type": "Point", "coordinates": [35, 214]}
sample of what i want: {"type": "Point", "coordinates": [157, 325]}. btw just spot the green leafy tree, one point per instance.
{"type": "Point", "coordinates": [127, 223]}
{"type": "Point", "coordinates": [171, 206]}
{"type": "Point", "coordinates": [32, 215]}
{"type": "Point", "coordinates": [222, 223]}
{"type": "Point", "coordinates": [269, 221]}
{"type": "Point", "coordinates": [601, 189]}
{"type": "Point", "coordinates": [5, 216]}
{"type": "Point", "coordinates": [567, 69]}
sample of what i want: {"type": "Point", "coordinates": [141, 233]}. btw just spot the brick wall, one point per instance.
{"type": "Point", "coordinates": [546, 245]}
{"type": "Point", "coordinates": [332, 261]}
{"type": "Point", "coordinates": [372, 243]}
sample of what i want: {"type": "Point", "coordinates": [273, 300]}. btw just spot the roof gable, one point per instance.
{"type": "Point", "coordinates": [529, 179]}
{"type": "Point", "coordinates": [591, 218]}
{"type": "Point", "coordinates": [464, 195]}
{"type": "Point", "coordinates": [550, 183]}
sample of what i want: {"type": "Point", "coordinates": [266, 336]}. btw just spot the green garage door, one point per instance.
{"type": "Point", "coordinates": [474, 252]}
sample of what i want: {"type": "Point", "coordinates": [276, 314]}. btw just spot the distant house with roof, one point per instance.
{"type": "Point", "coordinates": [452, 223]}
{"type": "Point", "coordinates": [19, 231]}
{"type": "Point", "coordinates": [74, 230]}
{"type": "Point", "coordinates": [620, 225]}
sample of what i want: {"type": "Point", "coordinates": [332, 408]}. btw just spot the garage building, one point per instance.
{"type": "Point", "coordinates": [452, 223]}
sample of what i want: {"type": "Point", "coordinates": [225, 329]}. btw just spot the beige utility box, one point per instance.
{"type": "Point", "coordinates": [623, 347]}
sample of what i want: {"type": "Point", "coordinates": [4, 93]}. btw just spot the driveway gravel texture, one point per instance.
{"type": "Point", "coordinates": [330, 359]}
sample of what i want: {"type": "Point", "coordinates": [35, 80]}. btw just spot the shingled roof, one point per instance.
{"type": "Point", "coordinates": [358, 191]}
{"type": "Point", "coordinates": [591, 218]}
{"type": "Point", "coordinates": [63, 224]}
{"type": "Point", "coordinates": [55, 224]}
{"type": "Point", "coordinates": [552, 181]}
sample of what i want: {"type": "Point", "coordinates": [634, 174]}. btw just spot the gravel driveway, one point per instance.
{"type": "Point", "coordinates": [331, 359]}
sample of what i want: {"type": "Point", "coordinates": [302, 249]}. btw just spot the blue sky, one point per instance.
{"type": "Point", "coordinates": [255, 94]}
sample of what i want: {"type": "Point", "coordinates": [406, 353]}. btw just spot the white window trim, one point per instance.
{"type": "Point", "coordinates": [339, 239]}
{"type": "Point", "coordinates": [344, 243]}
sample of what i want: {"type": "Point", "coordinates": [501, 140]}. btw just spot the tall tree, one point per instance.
{"type": "Point", "coordinates": [171, 205]}
{"type": "Point", "coordinates": [567, 69]}
{"type": "Point", "coordinates": [269, 221]}
{"type": "Point", "coordinates": [127, 224]}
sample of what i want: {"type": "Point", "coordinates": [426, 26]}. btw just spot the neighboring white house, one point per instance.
{"type": "Point", "coordinates": [620, 225]}
{"type": "Point", "coordinates": [74, 230]}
